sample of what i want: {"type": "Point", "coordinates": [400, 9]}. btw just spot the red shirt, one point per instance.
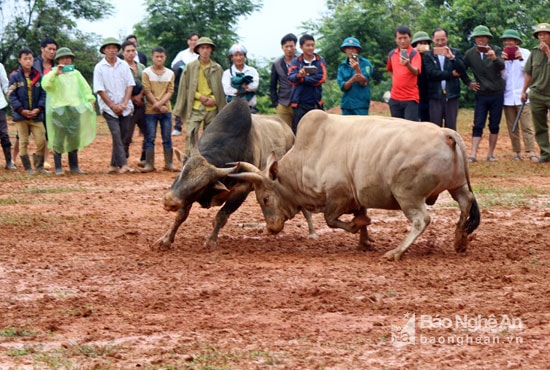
{"type": "Point", "coordinates": [404, 83]}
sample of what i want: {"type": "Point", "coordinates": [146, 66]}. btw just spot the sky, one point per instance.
{"type": "Point", "coordinates": [261, 32]}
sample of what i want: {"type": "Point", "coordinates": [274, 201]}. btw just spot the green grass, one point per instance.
{"type": "Point", "coordinates": [52, 190]}
{"type": "Point", "coordinates": [16, 332]}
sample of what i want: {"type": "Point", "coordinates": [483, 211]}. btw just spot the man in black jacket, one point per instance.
{"type": "Point", "coordinates": [279, 86]}
{"type": "Point", "coordinates": [443, 67]}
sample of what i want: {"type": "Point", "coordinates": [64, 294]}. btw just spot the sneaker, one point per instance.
{"type": "Point", "coordinates": [47, 166]}
{"type": "Point", "coordinates": [176, 133]}
{"type": "Point", "coordinates": [534, 158]}
{"type": "Point", "coordinates": [472, 159]}
{"type": "Point", "coordinates": [491, 158]}
{"type": "Point", "coordinates": [543, 160]}
{"type": "Point", "coordinates": [112, 169]}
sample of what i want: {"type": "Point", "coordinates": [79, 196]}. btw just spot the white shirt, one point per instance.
{"type": "Point", "coordinates": [4, 82]}
{"type": "Point", "coordinates": [514, 76]}
{"type": "Point", "coordinates": [187, 56]}
{"type": "Point", "coordinates": [113, 80]}
{"type": "Point", "coordinates": [248, 71]}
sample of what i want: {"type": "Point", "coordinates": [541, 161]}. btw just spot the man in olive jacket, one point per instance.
{"type": "Point", "coordinates": [200, 92]}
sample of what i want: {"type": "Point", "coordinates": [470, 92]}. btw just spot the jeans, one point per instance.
{"type": "Point", "coordinates": [165, 120]}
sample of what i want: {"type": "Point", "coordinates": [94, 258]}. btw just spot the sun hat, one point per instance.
{"type": "Point", "coordinates": [109, 41]}
{"type": "Point", "coordinates": [351, 42]}
{"type": "Point", "coordinates": [541, 27]}
{"type": "Point", "coordinates": [511, 34]}
{"type": "Point", "coordinates": [482, 31]}
{"type": "Point", "coordinates": [63, 52]}
{"type": "Point", "coordinates": [204, 41]}
{"type": "Point", "coordinates": [237, 48]}
{"type": "Point", "coordinates": [420, 36]}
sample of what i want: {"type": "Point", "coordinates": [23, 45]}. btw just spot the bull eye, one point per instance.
{"type": "Point", "coordinates": [266, 200]}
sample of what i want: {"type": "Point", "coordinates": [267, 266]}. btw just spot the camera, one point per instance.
{"type": "Point", "coordinates": [439, 50]}
{"type": "Point", "coordinates": [310, 70]}
{"type": "Point", "coordinates": [68, 68]}
{"type": "Point", "coordinates": [354, 56]}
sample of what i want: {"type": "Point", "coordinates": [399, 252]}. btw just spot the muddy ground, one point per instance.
{"type": "Point", "coordinates": [81, 288]}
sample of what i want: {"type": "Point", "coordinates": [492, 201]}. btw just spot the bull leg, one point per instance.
{"type": "Point", "coordinates": [236, 198]}
{"type": "Point", "coordinates": [465, 200]}
{"type": "Point", "coordinates": [310, 227]}
{"type": "Point", "coordinates": [168, 238]}
{"type": "Point", "coordinates": [364, 241]}
{"type": "Point", "coordinates": [420, 219]}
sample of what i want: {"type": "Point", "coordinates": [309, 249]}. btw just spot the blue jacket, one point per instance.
{"type": "Point", "coordinates": [308, 89]}
{"type": "Point", "coordinates": [18, 94]}
{"type": "Point", "coordinates": [358, 96]}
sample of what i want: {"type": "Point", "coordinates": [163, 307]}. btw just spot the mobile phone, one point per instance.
{"type": "Point", "coordinates": [68, 68]}
{"type": "Point", "coordinates": [511, 52]}
{"type": "Point", "coordinates": [439, 50]}
{"type": "Point", "coordinates": [483, 48]}
{"type": "Point", "coordinates": [404, 54]}
{"type": "Point", "coordinates": [423, 48]}
{"type": "Point", "coordinates": [310, 70]}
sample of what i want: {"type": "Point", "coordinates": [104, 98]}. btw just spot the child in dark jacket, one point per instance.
{"type": "Point", "coordinates": [27, 100]}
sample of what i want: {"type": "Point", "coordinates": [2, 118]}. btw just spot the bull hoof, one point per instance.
{"type": "Point", "coordinates": [361, 220]}
{"type": "Point", "coordinates": [391, 256]}
{"type": "Point", "coordinates": [364, 247]}
{"type": "Point", "coordinates": [162, 243]}
{"type": "Point", "coordinates": [313, 236]}
{"type": "Point", "coordinates": [211, 243]}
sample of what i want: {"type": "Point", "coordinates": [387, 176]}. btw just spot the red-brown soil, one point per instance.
{"type": "Point", "coordinates": [81, 288]}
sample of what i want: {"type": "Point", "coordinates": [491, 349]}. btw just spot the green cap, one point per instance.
{"type": "Point", "coordinates": [63, 52]}
{"type": "Point", "coordinates": [420, 36]}
{"type": "Point", "coordinates": [541, 27]}
{"type": "Point", "coordinates": [511, 34]}
{"type": "Point", "coordinates": [109, 41]}
{"type": "Point", "coordinates": [482, 31]}
{"type": "Point", "coordinates": [204, 41]}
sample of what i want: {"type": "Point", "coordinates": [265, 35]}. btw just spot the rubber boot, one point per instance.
{"type": "Point", "coordinates": [27, 164]}
{"type": "Point", "coordinates": [149, 161]}
{"type": "Point", "coordinates": [7, 154]}
{"type": "Point", "coordinates": [58, 164]}
{"type": "Point", "coordinates": [39, 164]}
{"type": "Point", "coordinates": [168, 160]}
{"type": "Point", "coordinates": [73, 162]}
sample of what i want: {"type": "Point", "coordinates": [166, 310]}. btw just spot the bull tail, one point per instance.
{"type": "Point", "coordinates": [454, 140]}
{"type": "Point", "coordinates": [474, 219]}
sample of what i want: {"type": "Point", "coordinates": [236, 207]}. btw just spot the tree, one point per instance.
{"type": "Point", "coordinates": [27, 22]}
{"type": "Point", "coordinates": [170, 21]}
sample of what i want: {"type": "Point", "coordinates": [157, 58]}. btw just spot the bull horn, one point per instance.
{"type": "Point", "coordinates": [222, 172]}
{"type": "Point", "coordinates": [252, 177]}
{"type": "Point", "coordinates": [248, 167]}
{"type": "Point", "coordinates": [194, 138]}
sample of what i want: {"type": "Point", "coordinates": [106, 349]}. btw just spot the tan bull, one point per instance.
{"type": "Point", "coordinates": [347, 164]}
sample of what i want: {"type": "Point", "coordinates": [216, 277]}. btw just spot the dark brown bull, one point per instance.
{"type": "Point", "coordinates": [234, 135]}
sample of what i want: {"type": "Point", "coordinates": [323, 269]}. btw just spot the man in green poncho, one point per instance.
{"type": "Point", "coordinates": [70, 111]}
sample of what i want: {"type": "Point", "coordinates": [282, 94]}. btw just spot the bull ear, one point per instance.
{"type": "Point", "coordinates": [220, 187]}
{"type": "Point", "coordinates": [180, 156]}
{"type": "Point", "coordinates": [194, 138]}
{"type": "Point", "coordinates": [272, 166]}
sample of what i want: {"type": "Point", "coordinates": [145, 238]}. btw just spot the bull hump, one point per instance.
{"type": "Point", "coordinates": [227, 137]}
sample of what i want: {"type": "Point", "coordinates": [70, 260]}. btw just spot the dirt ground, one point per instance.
{"type": "Point", "coordinates": [81, 288]}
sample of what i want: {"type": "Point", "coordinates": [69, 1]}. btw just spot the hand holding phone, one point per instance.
{"type": "Point", "coordinates": [511, 52]}
{"type": "Point", "coordinates": [67, 68]}
{"type": "Point", "coordinates": [310, 70]}
{"type": "Point", "coordinates": [483, 48]}
{"type": "Point", "coordinates": [440, 50]}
